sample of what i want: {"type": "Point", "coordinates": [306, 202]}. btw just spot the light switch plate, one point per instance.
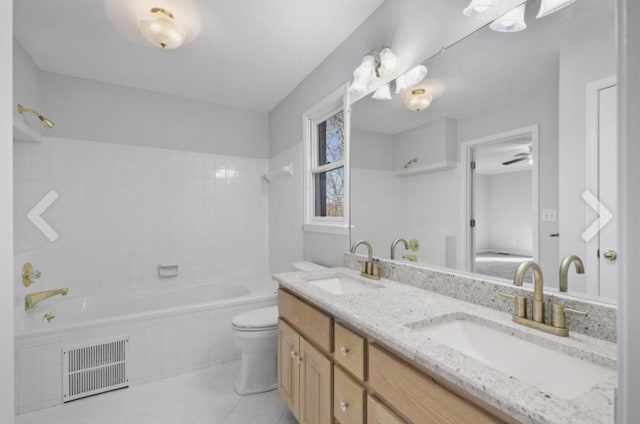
{"type": "Point", "coordinates": [549, 215]}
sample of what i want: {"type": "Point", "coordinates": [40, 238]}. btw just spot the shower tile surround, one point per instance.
{"type": "Point", "coordinates": [384, 314]}
{"type": "Point", "coordinates": [600, 323]}
{"type": "Point", "coordinates": [123, 210]}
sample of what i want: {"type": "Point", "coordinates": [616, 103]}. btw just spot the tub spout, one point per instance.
{"type": "Point", "coordinates": [32, 299]}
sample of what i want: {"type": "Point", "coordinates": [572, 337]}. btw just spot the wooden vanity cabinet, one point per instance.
{"type": "Point", "coordinates": [360, 381]}
{"type": "Point", "coordinates": [305, 373]}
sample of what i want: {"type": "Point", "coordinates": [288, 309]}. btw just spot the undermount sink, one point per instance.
{"type": "Point", "coordinates": [553, 372]}
{"type": "Point", "coordinates": [342, 285]}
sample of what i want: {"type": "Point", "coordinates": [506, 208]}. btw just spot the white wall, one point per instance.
{"type": "Point", "coordinates": [508, 213]}
{"type": "Point", "coordinates": [583, 61]}
{"type": "Point", "coordinates": [371, 150]}
{"type": "Point", "coordinates": [285, 211]}
{"type": "Point", "coordinates": [628, 407]}
{"type": "Point", "coordinates": [430, 143]}
{"type": "Point", "coordinates": [123, 210]}
{"type": "Point", "coordinates": [91, 110]}
{"type": "Point", "coordinates": [6, 214]}
{"type": "Point", "coordinates": [26, 84]}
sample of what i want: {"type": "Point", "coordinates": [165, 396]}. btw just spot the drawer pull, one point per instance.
{"type": "Point", "coordinates": [344, 351]}
{"type": "Point", "coordinates": [343, 406]}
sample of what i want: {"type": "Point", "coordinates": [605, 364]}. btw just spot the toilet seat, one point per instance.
{"type": "Point", "coordinates": [256, 320]}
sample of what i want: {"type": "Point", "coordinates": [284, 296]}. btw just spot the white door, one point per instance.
{"type": "Point", "coordinates": [608, 189]}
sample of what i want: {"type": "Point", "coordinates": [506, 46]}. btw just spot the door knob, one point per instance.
{"type": "Point", "coordinates": [611, 255]}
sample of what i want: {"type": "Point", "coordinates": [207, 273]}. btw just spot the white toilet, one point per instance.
{"type": "Point", "coordinates": [255, 334]}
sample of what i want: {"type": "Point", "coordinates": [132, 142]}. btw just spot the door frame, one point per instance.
{"type": "Point", "coordinates": [465, 247]}
{"type": "Point", "coordinates": [592, 177]}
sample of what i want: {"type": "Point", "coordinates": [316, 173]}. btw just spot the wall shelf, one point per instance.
{"type": "Point", "coordinates": [23, 132]}
{"type": "Point", "coordinates": [426, 169]}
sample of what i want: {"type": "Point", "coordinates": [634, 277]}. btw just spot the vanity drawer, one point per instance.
{"type": "Point", "coordinates": [348, 398]}
{"type": "Point", "coordinates": [417, 395]}
{"type": "Point", "coordinates": [349, 351]}
{"type": "Point", "coordinates": [316, 326]}
{"type": "Point", "coordinates": [377, 413]}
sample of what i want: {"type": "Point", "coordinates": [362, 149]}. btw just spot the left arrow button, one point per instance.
{"type": "Point", "coordinates": [35, 215]}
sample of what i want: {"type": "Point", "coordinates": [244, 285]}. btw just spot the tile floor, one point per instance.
{"type": "Point", "coordinates": [201, 397]}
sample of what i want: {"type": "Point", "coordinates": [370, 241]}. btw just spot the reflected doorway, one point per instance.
{"type": "Point", "coordinates": [502, 203]}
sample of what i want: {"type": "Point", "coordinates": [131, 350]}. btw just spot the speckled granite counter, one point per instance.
{"type": "Point", "coordinates": [382, 313]}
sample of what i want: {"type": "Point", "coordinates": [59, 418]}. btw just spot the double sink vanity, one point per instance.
{"type": "Point", "coordinates": [382, 351]}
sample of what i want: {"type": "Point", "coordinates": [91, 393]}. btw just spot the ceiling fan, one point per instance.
{"type": "Point", "coordinates": [519, 157]}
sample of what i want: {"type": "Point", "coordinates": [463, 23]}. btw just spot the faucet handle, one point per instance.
{"type": "Point", "coordinates": [519, 301]}
{"type": "Point", "coordinates": [559, 316]}
{"type": "Point", "coordinates": [29, 274]}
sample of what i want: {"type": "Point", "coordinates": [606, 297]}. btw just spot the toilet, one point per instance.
{"type": "Point", "coordinates": [255, 334]}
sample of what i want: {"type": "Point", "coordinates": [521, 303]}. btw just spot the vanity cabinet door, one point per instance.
{"type": "Point", "coordinates": [349, 351]}
{"type": "Point", "coordinates": [316, 380]}
{"type": "Point", "coordinates": [377, 413]}
{"type": "Point", "coordinates": [348, 399]}
{"type": "Point", "coordinates": [417, 395]}
{"type": "Point", "coordinates": [288, 367]}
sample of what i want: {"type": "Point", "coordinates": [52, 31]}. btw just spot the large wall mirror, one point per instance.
{"type": "Point", "coordinates": [508, 162]}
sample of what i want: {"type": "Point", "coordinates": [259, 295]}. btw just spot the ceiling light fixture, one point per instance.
{"type": "Point", "coordinates": [383, 93]}
{"type": "Point", "coordinates": [375, 64]}
{"type": "Point", "coordinates": [512, 21]}
{"type": "Point", "coordinates": [161, 29]}
{"type": "Point", "coordinates": [481, 9]}
{"type": "Point", "coordinates": [547, 7]}
{"type": "Point", "coordinates": [418, 100]}
{"type": "Point", "coordinates": [411, 78]}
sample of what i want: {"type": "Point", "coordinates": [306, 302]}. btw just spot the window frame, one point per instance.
{"type": "Point", "coordinates": [336, 102]}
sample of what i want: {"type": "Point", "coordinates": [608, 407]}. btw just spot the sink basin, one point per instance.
{"type": "Point", "coordinates": [550, 371]}
{"type": "Point", "coordinates": [342, 285]}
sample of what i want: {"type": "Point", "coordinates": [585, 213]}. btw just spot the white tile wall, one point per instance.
{"type": "Point", "coordinates": [123, 210]}
{"type": "Point", "coordinates": [158, 349]}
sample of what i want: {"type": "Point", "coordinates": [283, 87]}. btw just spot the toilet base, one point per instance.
{"type": "Point", "coordinates": [258, 373]}
{"type": "Point", "coordinates": [254, 391]}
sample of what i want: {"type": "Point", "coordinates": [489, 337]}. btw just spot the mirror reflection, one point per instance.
{"type": "Point", "coordinates": [501, 154]}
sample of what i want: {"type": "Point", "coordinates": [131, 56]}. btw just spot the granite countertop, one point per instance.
{"type": "Point", "coordinates": [384, 312]}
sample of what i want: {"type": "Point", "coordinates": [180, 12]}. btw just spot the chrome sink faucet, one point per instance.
{"type": "Point", "coordinates": [558, 317]}
{"type": "Point", "coordinates": [370, 267]}
{"type": "Point", "coordinates": [32, 299]}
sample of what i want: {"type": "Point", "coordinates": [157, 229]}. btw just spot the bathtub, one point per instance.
{"type": "Point", "coordinates": [170, 330]}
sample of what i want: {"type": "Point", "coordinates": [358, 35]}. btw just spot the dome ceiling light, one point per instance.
{"type": "Point", "coordinates": [481, 9]}
{"type": "Point", "coordinates": [512, 21]}
{"type": "Point", "coordinates": [411, 78]}
{"type": "Point", "coordinates": [418, 100]}
{"type": "Point", "coordinates": [161, 29]}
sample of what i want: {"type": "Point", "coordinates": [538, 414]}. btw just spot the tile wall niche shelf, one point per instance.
{"type": "Point", "coordinates": [426, 169]}
{"type": "Point", "coordinates": [24, 133]}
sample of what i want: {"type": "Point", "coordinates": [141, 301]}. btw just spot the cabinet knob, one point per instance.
{"type": "Point", "coordinates": [343, 406]}
{"type": "Point", "coordinates": [292, 354]}
{"type": "Point", "coordinates": [344, 351]}
{"type": "Point", "coordinates": [298, 359]}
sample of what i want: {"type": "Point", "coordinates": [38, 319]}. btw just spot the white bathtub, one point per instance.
{"type": "Point", "coordinates": [170, 330]}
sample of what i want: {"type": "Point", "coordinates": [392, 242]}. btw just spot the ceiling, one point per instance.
{"type": "Point", "coordinates": [488, 69]}
{"type": "Point", "coordinates": [490, 156]}
{"type": "Point", "coordinates": [248, 54]}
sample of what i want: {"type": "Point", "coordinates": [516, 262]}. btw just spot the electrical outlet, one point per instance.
{"type": "Point", "coordinates": [549, 215]}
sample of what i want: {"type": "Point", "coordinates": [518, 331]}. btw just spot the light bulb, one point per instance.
{"type": "Point", "coordinates": [547, 7]}
{"type": "Point", "coordinates": [481, 9]}
{"type": "Point", "coordinates": [512, 21]}
{"type": "Point", "coordinates": [383, 93]}
{"type": "Point", "coordinates": [388, 59]}
{"type": "Point", "coordinates": [411, 78]}
{"type": "Point", "coordinates": [161, 30]}
{"type": "Point", "coordinates": [363, 75]}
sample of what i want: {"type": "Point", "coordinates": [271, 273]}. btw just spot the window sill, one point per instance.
{"type": "Point", "coordinates": [337, 229]}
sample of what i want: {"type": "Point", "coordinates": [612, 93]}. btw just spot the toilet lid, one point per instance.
{"type": "Point", "coordinates": [257, 318]}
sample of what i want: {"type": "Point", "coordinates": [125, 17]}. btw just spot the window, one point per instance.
{"type": "Point", "coordinates": [326, 171]}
